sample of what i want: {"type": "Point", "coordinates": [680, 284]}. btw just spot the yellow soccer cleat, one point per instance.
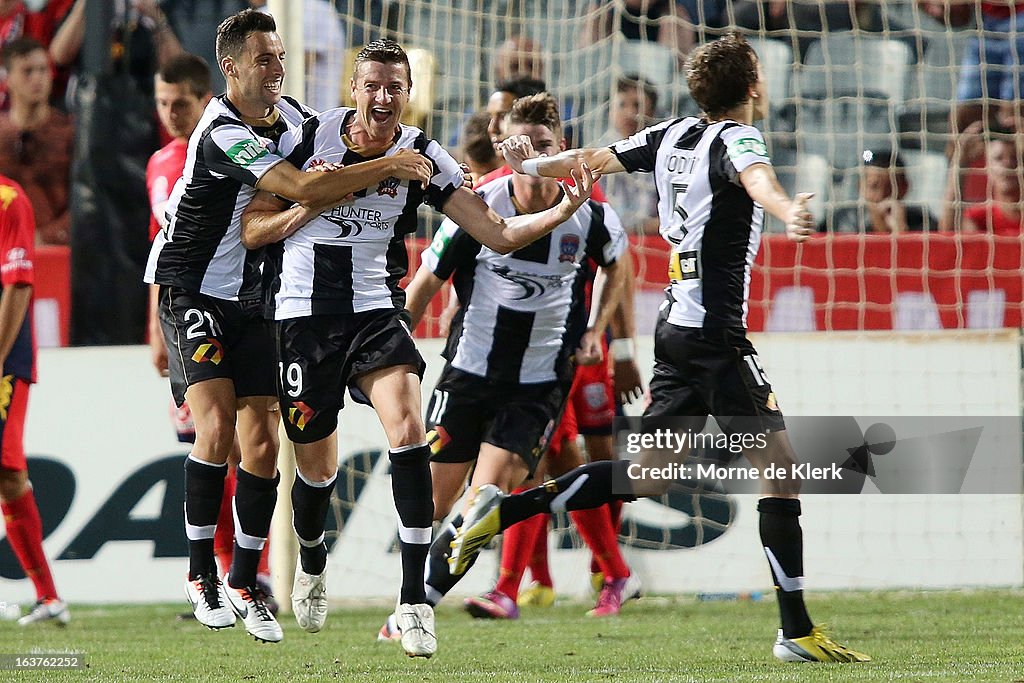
{"type": "Point", "coordinates": [816, 647]}
{"type": "Point", "coordinates": [537, 595]}
{"type": "Point", "coordinates": [481, 523]}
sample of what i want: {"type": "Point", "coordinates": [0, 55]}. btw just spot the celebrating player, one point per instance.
{"type": "Point", "coordinates": [221, 350]}
{"type": "Point", "coordinates": [339, 312]}
{"type": "Point", "coordinates": [509, 370]}
{"type": "Point", "coordinates": [714, 181]}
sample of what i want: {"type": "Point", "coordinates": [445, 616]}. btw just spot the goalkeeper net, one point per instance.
{"type": "Point", "coordinates": [861, 93]}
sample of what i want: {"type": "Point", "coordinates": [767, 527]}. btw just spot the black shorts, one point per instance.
{"type": "Point", "coordinates": [700, 372]}
{"type": "Point", "coordinates": [210, 338]}
{"type": "Point", "coordinates": [466, 410]}
{"type": "Point", "coordinates": [321, 355]}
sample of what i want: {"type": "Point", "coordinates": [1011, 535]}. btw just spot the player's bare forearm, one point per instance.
{"type": "Point", "coordinates": [13, 309]}
{"type": "Point", "coordinates": [157, 345]}
{"type": "Point", "coordinates": [424, 286]}
{"type": "Point", "coordinates": [607, 294]}
{"type": "Point", "coordinates": [601, 160]}
{"type": "Point", "coordinates": [761, 184]}
{"type": "Point", "coordinates": [623, 322]}
{"type": "Point", "coordinates": [763, 187]}
{"type": "Point", "coordinates": [320, 191]}
{"type": "Point", "coordinates": [505, 235]}
{"type": "Point", "coordinates": [266, 221]}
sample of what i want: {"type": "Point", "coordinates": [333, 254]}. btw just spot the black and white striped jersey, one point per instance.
{"type": "Point", "coordinates": [711, 223]}
{"type": "Point", "coordinates": [201, 248]}
{"type": "Point", "coordinates": [350, 259]}
{"type": "Point", "coordinates": [523, 312]}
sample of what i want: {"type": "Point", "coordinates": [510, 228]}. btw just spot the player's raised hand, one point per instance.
{"type": "Point", "coordinates": [799, 222]}
{"type": "Point", "coordinates": [516, 149]}
{"type": "Point", "coordinates": [411, 165]}
{"type": "Point", "coordinates": [577, 192]}
{"type": "Point", "coordinates": [589, 352]}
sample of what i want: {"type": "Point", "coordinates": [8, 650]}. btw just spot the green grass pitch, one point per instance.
{"type": "Point", "coordinates": [975, 636]}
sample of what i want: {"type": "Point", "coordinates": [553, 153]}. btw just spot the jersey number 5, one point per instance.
{"type": "Point", "coordinates": [678, 196]}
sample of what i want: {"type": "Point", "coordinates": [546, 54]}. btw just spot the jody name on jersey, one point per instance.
{"type": "Point", "coordinates": [706, 215]}
{"type": "Point", "coordinates": [519, 307]}
{"type": "Point", "coordinates": [351, 258]}
{"type": "Point", "coordinates": [201, 249]}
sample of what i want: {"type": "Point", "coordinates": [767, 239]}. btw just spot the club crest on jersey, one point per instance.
{"type": "Point", "coordinates": [568, 248]}
{"type": "Point", "coordinates": [210, 352]}
{"type": "Point", "coordinates": [299, 414]}
{"type": "Point", "coordinates": [389, 187]}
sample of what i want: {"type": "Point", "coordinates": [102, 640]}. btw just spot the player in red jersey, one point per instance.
{"type": "Point", "coordinates": [182, 92]}
{"type": "Point", "coordinates": [18, 354]}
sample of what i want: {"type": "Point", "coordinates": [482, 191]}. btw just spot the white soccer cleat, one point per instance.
{"type": "Point", "coordinates": [209, 604]}
{"type": "Point", "coordinates": [416, 622]}
{"type": "Point", "coordinates": [309, 599]}
{"type": "Point", "coordinates": [53, 609]}
{"type": "Point", "coordinates": [250, 604]}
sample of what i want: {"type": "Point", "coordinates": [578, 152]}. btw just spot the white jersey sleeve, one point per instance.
{"type": "Point", "coordinates": [233, 151]}
{"type": "Point", "coordinates": [452, 248]}
{"type": "Point", "coordinates": [639, 152]}
{"type": "Point", "coordinates": [744, 147]}
{"type": "Point", "coordinates": [606, 239]}
{"type": "Point", "coordinates": [447, 175]}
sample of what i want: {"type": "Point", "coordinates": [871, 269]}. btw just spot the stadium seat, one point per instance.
{"type": "Point", "coordinates": [776, 58]}
{"type": "Point", "coordinates": [926, 172]}
{"type": "Point", "coordinates": [801, 172]}
{"type": "Point", "coordinates": [841, 128]}
{"type": "Point", "coordinates": [851, 63]}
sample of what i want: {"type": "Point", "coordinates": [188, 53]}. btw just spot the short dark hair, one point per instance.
{"type": "Point", "coordinates": [631, 82]}
{"type": "Point", "coordinates": [189, 69]}
{"type": "Point", "coordinates": [524, 86]}
{"type": "Point", "coordinates": [721, 73]}
{"type": "Point", "coordinates": [233, 31]}
{"type": "Point", "coordinates": [476, 139]}
{"type": "Point", "coordinates": [19, 47]}
{"type": "Point", "coordinates": [384, 51]}
{"type": "Point", "coordinates": [536, 110]}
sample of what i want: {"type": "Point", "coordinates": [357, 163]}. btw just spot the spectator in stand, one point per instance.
{"type": "Point", "coordinates": [500, 103]}
{"type": "Point", "coordinates": [804, 19]}
{"type": "Point", "coordinates": [632, 195]}
{"type": "Point", "coordinates": [37, 140]}
{"type": "Point", "coordinates": [881, 209]}
{"type": "Point", "coordinates": [518, 57]}
{"type": "Point", "coordinates": [665, 22]}
{"type": "Point", "coordinates": [991, 69]}
{"type": "Point", "coordinates": [17, 21]}
{"type": "Point", "coordinates": [1002, 214]}
{"type": "Point", "coordinates": [520, 60]}
{"type": "Point", "coordinates": [477, 149]}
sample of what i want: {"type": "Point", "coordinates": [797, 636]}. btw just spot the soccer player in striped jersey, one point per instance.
{"type": "Point", "coordinates": [340, 314]}
{"type": "Point", "coordinates": [221, 351]}
{"type": "Point", "coordinates": [714, 181]}
{"type": "Point", "coordinates": [509, 355]}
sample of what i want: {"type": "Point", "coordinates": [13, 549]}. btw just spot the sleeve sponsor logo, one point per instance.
{"type": "Point", "coordinates": [16, 259]}
{"type": "Point", "coordinates": [247, 152]}
{"type": "Point", "coordinates": [440, 242]}
{"type": "Point", "coordinates": [738, 148]}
